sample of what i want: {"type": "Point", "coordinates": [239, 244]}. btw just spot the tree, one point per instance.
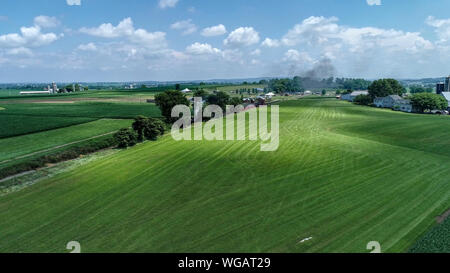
{"type": "Point", "coordinates": [177, 87]}
{"type": "Point", "coordinates": [428, 101]}
{"type": "Point", "coordinates": [153, 128]}
{"type": "Point", "coordinates": [385, 87]}
{"type": "Point", "coordinates": [363, 100]}
{"type": "Point", "coordinates": [324, 92]}
{"type": "Point", "coordinates": [235, 101]}
{"type": "Point", "coordinates": [125, 138]}
{"type": "Point", "coordinates": [201, 93]}
{"type": "Point", "coordinates": [420, 89]}
{"type": "Point", "coordinates": [169, 99]}
{"type": "Point", "coordinates": [139, 125]}
{"type": "Point", "coordinates": [220, 98]}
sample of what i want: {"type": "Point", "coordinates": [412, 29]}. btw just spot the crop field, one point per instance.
{"type": "Point", "coordinates": [435, 241]}
{"type": "Point", "coordinates": [13, 147]}
{"type": "Point", "coordinates": [15, 125]}
{"type": "Point", "coordinates": [343, 175]}
{"type": "Point", "coordinates": [82, 109]}
{"type": "Point", "coordinates": [25, 118]}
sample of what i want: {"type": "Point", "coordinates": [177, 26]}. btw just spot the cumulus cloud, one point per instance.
{"type": "Point", "coordinates": [167, 3]}
{"type": "Point", "coordinates": [87, 47]}
{"type": "Point", "coordinates": [126, 29]}
{"type": "Point", "coordinates": [293, 55]}
{"type": "Point", "coordinates": [243, 36]}
{"type": "Point", "coordinates": [46, 21]}
{"type": "Point", "coordinates": [373, 2]}
{"type": "Point", "coordinates": [214, 31]}
{"type": "Point", "coordinates": [107, 30]}
{"type": "Point", "coordinates": [202, 49]}
{"type": "Point", "coordinates": [442, 28]}
{"type": "Point", "coordinates": [73, 2]}
{"type": "Point", "coordinates": [326, 32]}
{"type": "Point", "coordinates": [270, 43]}
{"type": "Point", "coordinates": [186, 26]}
{"type": "Point", "coordinates": [28, 37]}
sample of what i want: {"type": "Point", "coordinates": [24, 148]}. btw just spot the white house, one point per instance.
{"type": "Point", "coordinates": [387, 102]}
{"type": "Point", "coordinates": [353, 95]}
{"type": "Point", "coordinates": [404, 106]}
{"type": "Point", "coordinates": [186, 91]}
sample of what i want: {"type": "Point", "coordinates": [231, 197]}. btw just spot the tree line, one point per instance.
{"type": "Point", "coordinates": [300, 84]}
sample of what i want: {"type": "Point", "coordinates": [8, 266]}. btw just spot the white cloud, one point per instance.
{"type": "Point", "coordinates": [87, 47]}
{"type": "Point", "coordinates": [442, 28]}
{"type": "Point", "coordinates": [243, 36]}
{"type": "Point", "coordinates": [126, 29]}
{"type": "Point", "coordinates": [167, 3]}
{"type": "Point", "coordinates": [270, 43]}
{"type": "Point", "coordinates": [293, 55]}
{"type": "Point", "coordinates": [186, 26]}
{"type": "Point", "coordinates": [28, 37]}
{"type": "Point", "coordinates": [107, 30]}
{"type": "Point", "coordinates": [214, 31]}
{"type": "Point", "coordinates": [374, 2]}
{"type": "Point", "coordinates": [202, 49]}
{"type": "Point", "coordinates": [73, 2]}
{"type": "Point", "coordinates": [321, 32]}
{"type": "Point", "coordinates": [20, 51]}
{"type": "Point", "coordinates": [46, 21]}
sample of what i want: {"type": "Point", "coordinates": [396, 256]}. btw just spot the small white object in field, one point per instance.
{"type": "Point", "coordinates": [305, 240]}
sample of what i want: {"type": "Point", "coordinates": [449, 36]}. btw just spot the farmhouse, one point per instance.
{"type": "Point", "coordinates": [387, 102]}
{"type": "Point", "coordinates": [404, 106]}
{"type": "Point", "coordinates": [353, 95]}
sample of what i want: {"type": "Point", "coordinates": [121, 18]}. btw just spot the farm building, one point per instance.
{"type": "Point", "coordinates": [446, 95]}
{"type": "Point", "coordinates": [394, 102]}
{"type": "Point", "coordinates": [269, 95]}
{"type": "Point", "coordinates": [387, 102]}
{"type": "Point", "coordinates": [35, 92]}
{"type": "Point", "coordinates": [404, 106]}
{"type": "Point", "coordinates": [353, 95]}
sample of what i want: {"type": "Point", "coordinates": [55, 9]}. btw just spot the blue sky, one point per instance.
{"type": "Point", "coordinates": [133, 40]}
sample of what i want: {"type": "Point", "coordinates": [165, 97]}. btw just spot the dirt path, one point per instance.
{"type": "Point", "coordinates": [55, 148]}
{"type": "Point", "coordinates": [441, 218]}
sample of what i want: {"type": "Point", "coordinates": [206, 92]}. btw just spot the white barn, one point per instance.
{"type": "Point", "coordinates": [353, 95]}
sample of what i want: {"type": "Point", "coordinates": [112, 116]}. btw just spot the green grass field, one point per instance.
{"type": "Point", "coordinates": [343, 175]}
{"type": "Point", "coordinates": [13, 147]}
{"type": "Point", "coordinates": [25, 118]}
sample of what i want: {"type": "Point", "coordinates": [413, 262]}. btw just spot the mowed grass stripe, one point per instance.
{"type": "Point", "coordinates": [343, 189]}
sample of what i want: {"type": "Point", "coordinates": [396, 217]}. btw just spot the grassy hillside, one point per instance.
{"type": "Point", "coordinates": [343, 175]}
